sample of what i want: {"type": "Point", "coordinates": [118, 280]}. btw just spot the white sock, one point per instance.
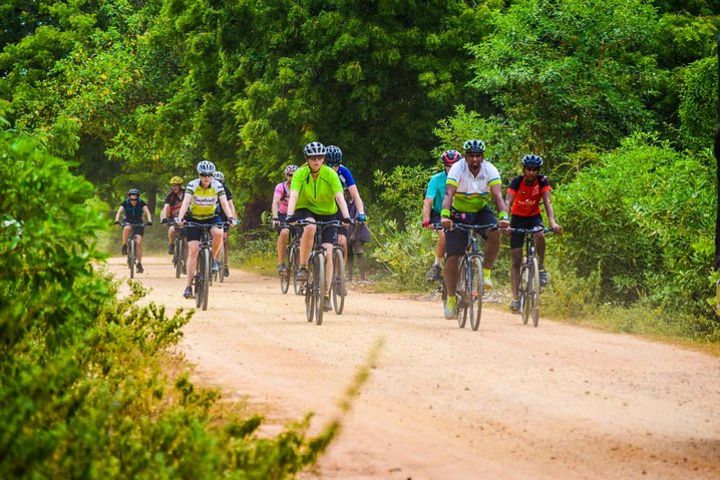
{"type": "Point", "coordinates": [438, 261]}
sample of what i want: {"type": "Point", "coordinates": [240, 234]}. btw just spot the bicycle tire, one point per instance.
{"type": "Point", "coordinates": [476, 292]}
{"type": "Point", "coordinates": [177, 257]}
{"type": "Point", "coordinates": [338, 283]}
{"type": "Point", "coordinates": [319, 287]}
{"type": "Point", "coordinates": [221, 264]}
{"type": "Point", "coordinates": [285, 278]}
{"type": "Point", "coordinates": [199, 289]}
{"type": "Point", "coordinates": [207, 269]}
{"type": "Point", "coordinates": [309, 294]}
{"type": "Point", "coordinates": [523, 292]}
{"type": "Point", "coordinates": [535, 293]}
{"type": "Point", "coordinates": [131, 257]}
{"type": "Point", "coordinates": [460, 287]}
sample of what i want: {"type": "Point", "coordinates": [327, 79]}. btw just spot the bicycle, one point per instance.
{"type": "Point", "coordinates": [470, 286]}
{"type": "Point", "coordinates": [529, 285]}
{"type": "Point", "coordinates": [132, 246]}
{"type": "Point", "coordinates": [314, 288]}
{"type": "Point", "coordinates": [203, 271]}
{"type": "Point", "coordinates": [180, 249]}
{"type": "Point", "coordinates": [223, 269]}
{"type": "Point", "coordinates": [292, 254]}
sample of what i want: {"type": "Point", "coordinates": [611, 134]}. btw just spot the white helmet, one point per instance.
{"type": "Point", "coordinates": [218, 175]}
{"type": "Point", "coordinates": [206, 168]}
{"type": "Point", "coordinates": [314, 148]}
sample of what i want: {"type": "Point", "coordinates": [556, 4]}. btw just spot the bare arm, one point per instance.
{"type": "Point", "coordinates": [340, 200]}
{"type": "Point", "coordinates": [551, 213]}
{"type": "Point", "coordinates": [232, 205]}
{"type": "Point", "coordinates": [164, 212]}
{"type": "Point", "coordinates": [119, 212]}
{"type": "Point", "coordinates": [226, 207]}
{"type": "Point", "coordinates": [446, 204]}
{"type": "Point", "coordinates": [292, 201]}
{"type": "Point", "coordinates": [275, 205]}
{"type": "Point", "coordinates": [184, 207]}
{"type": "Point", "coordinates": [356, 198]}
{"type": "Point", "coordinates": [426, 209]}
{"type": "Point", "coordinates": [496, 192]}
{"type": "Point", "coordinates": [148, 215]}
{"type": "Point", "coordinates": [509, 198]}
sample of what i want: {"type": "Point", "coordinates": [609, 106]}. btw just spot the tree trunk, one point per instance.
{"type": "Point", "coordinates": [253, 211]}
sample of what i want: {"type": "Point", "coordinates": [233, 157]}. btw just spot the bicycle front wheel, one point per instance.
{"type": "Point", "coordinates": [524, 292]}
{"type": "Point", "coordinates": [131, 257]}
{"type": "Point", "coordinates": [319, 287]}
{"type": "Point", "coordinates": [309, 291]}
{"type": "Point", "coordinates": [475, 291]}
{"type": "Point", "coordinates": [285, 277]}
{"type": "Point", "coordinates": [206, 272]}
{"type": "Point", "coordinates": [338, 283]}
{"type": "Point", "coordinates": [534, 292]}
{"type": "Point", "coordinates": [221, 263]}
{"type": "Point", "coordinates": [177, 257]}
{"type": "Point", "coordinates": [293, 268]}
{"type": "Point", "coordinates": [461, 289]}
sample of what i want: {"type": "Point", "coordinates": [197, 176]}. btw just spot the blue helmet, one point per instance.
{"type": "Point", "coordinates": [474, 146]}
{"type": "Point", "coordinates": [333, 156]}
{"type": "Point", "coordinates": [532, 160]}
{"type": "Point", "coordinates": [314, 148]}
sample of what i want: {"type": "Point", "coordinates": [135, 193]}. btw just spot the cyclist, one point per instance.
{"type": "Point", "coordinates": [172, 207]}
{"type": "Point", "coordinates": [220, 177]}
{"type": "Point", "coordinates": [133, 208]}
{"type": "Point", "coordinates": [279, 214]}
{"type": "Point", "coordinates": [202, 196]}
{"type": "Point", "coordinates": [333, 159]}
{"type": "Point", "coordinates": [469, 183]}
{"type": "Point", "coordinates": [315, 195]}
{"type": "Point", "coordinates": [432, 204]}
{"type": "Point", "coordinates": [523, 196]}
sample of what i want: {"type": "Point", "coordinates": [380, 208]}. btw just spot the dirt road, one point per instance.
{"type": "Point", "coordinates": [508, 401]}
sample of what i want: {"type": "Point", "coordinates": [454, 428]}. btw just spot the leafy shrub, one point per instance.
{"type": "Point", "coordinates": [698, 106]}
{"type": "Point", "coordinates": [84, 389]}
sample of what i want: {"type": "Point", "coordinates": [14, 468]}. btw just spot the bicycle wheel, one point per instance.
{"type": "Point", "coordinates": [177, 257]}
{"type": "Point", "coordinates": [309, 293]}
{"type": "Point", "coordinates": [319, 287]}
{"type": "Point", "coordinates": [534, 292]}
{"type": "Point", "coordinates": [523, 292]}
{"type": "Point", "coordinates": [475, 291]}
{"type": "Point", "coordinates": [221, 264]}
{"type": "Point", "coordinates": [293, 267]}
{"type": "Point", "coordinates": [199, 288]}
{"type": "Point", "coordinates": [207, 270]}
{"type": "Point", "coordinates": [460, 288]}
{"type": "Point", "coordinates": [285, 277]}
{"type": "Point", "coordinates": [338, 283]}
{"type": "Point", "coordinates": [131, 257]}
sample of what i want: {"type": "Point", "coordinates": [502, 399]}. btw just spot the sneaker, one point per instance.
{"type": "Point", "coordinates": [123, 249]}
{"type": "Point", "coordinates": [171, 248]}
{"type": "Point", "coordinates": [544, 278]}
{"type": "Point", "coordinates": [215, 267]}
{"type": "Point", "coordinates": [188, 293]}
{"type": "Point", "coordinates": [487, 279]}
{"type": "Point", "coordinates": [302, 275]}
{"type": "Point", "coordinates": [327, 306]}
{"type": "Point", "coordinates": [451, 308]}
{"type": "Point", "coordinates": [433, 275]}
{"type": "Point", "coordinates": [139, 267]}
{"type": "Point", "coordinates": [282, 269]}
{"type": "Point", "coordinates": [515, 305]}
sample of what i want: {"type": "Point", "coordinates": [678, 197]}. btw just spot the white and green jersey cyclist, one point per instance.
{"type": "Point", "coordinates": [473, 191]}
{"type": "Point", "coordinates": [204, 200]}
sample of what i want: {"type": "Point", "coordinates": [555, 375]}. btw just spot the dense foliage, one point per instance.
{"type": "Point", "coordinates": [84, 390]}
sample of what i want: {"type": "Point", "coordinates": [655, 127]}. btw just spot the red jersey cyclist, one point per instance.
{"type": "Point", "coordinates": [171, 208]}
{"type": "Point", "coordinates": [523, 196]}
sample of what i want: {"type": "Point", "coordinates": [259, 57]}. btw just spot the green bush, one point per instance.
{"type": "Point", "coordinates": [85, 388]}
{"type": "Point", "coordinates": [643, 222]}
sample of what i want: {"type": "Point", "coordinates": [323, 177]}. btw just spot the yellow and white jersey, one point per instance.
{"type": "Point", "coordinates": [204, 200]}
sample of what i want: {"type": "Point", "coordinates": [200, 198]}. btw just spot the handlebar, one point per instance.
{"type": "Point", "coordinates": [530, 230]}
{"type": "Point", "coordinates": [188, 223]}
{"type": "Point", "coordinates": [474, 228]}
{"type": "Point", "coordinates": [141, 224]}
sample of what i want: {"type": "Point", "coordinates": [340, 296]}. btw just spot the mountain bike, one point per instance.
{"type": "Point", "coordinates": [470, 286]}
{"type": "Point", "coordinates": [180, 249]}
{"type": "Point", "coordinates": [203, 272]}
{"type": "Point", "coordinates": [132, 246]}
{"type": "Point", "coordinates": [314, 288]}
{"type": "Point", "coordinates": [292, 254]}
{"type": "Point", "coordinates": [529, 286]}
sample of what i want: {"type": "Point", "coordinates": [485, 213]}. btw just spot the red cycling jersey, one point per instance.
{"type": "Point", "coordinates": [527, 197]}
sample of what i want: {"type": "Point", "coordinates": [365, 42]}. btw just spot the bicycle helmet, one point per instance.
{"type": "Point", "coordinates": [333, 156]}
{"type": "Point", "coordinates": [314, 148]}
{"type": "Point", "coordinates": [176, 180]}
{"type": "Point", "coordinates": [290, 169]}
{"type": "Point", "coordinates": [474, 146]}
{"type": "Point", "coordinates": [205, 168]}
{"type": "Point", "coordinates": [133, 191]}
{"type": "Point", "coordinates": [532, 160]}
{"type": "Point", "coordinates": [449, 157]}
{"type": "Point", "coordinates": [218, 175]}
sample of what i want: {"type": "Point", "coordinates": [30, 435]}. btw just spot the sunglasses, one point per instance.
{"type": "Point", "coordinates": [532, 169]}
{"type": "Point", "coordinates": [206, 174]}
{"type": "Point", "coordinates": [133, 199]}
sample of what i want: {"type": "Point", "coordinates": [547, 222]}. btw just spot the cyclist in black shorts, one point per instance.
{"type": "Point", "coordinates": [134, 207]}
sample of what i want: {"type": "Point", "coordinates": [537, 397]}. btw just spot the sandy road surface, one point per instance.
{"type": "Point", "coordinates": [508, 401]}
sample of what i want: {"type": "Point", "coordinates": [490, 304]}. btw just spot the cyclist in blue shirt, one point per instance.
{"type": "Point", "coordinates": [432, 205]}
{"type": "Point", "coordinates": [133, 208]}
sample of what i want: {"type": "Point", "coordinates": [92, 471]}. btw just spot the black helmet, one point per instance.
{"type": "Point", "coordinates": [532, 160]}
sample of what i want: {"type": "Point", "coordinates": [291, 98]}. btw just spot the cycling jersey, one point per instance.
{"type": "Point", "coordinates": [282, 189]}
{"type": "Point", "coordinates": [347, 181]}
{"type": "Point", "coordinates": [204, 200]}
{"type": "Point", "coordinates": [316, 195]}
{"type": "Point", "coordinates": [527, 197]}
{"type": "Point", "coordinates": [436, 190]}
{"type": "Point", "coordinates": [133, 213]}
{"type": "Point", "coordinates": [473, 191]}
{"type": "Point", "coordinates": [174, 200]}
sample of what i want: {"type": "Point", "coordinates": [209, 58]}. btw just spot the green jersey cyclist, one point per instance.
{"type": "Point", "coordinates": [470, 183]}
{"type": "Point", "coordinates": [199, 203]}
{"type": "Point", "coordinates": [315, 195]}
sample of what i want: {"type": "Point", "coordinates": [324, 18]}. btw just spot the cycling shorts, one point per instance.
{"type": "Point", "coordinates": [456, 240]}
{"type": "Point", "coordinates": [516, 238]}
{"type": "Point", "coordinates": [194, 234]}
{"type": "Point", "coordinates": [330, 233]}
